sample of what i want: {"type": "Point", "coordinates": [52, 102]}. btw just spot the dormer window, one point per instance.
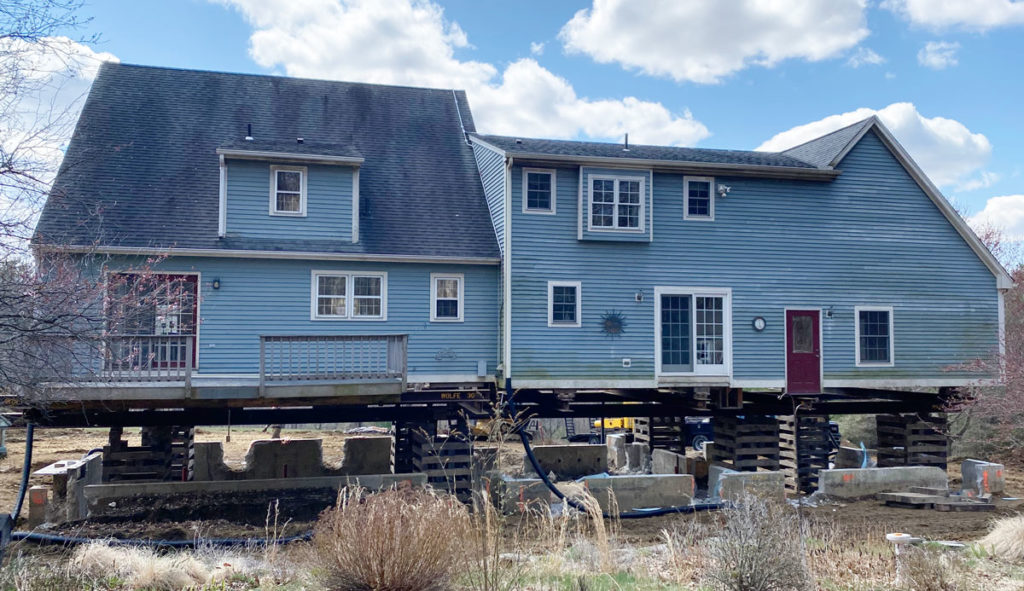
{"type": "Point", "coordinates": [288, 190]}
{"type": "Point", "coordinates": [698, 198]}
{"type": "Point", "coordinates": [538, 190]}
{"type": "Point", "coordinates": [616, 203]}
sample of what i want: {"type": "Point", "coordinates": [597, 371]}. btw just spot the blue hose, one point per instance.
{"type": "Point", "coordinates": [635, 514]}
{"type": "Point", "coordinates": [26, 469]}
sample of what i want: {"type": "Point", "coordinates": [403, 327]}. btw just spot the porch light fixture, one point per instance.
{"type": "Point", "coordinates": [216, 283]}
{"type": "Point", "coordinates": [639, 295]}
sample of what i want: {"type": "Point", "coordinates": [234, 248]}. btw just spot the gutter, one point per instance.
{"type": "Point", "coordinates": [271, 155]}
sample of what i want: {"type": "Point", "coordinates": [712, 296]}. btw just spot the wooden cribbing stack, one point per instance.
{"type": "Point", "coordinates": [746, 443]}
{"type": "Point", "coordinates": [912, 440]}
{"type": "Point", "coordinates": [166, 453]}
{"type": "Point", "coordinates": [661, 433]}
{"type": "Point", "coordinates": [446, 460]}
{"type": "Point", "coordinates": [804, 446]}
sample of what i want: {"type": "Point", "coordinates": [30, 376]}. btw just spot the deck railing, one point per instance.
{"type": "Point", "coordinates": [332, 357]}
{"type": "Point", "coordinates": [148, 358]}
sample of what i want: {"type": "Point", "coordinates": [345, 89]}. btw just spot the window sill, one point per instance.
{"type": "Point", "coordinates": [347, 319]}
{"type": "Point", "coordinates": [446, 320]}
{"type": "Point", "coordinates": [285, 214]}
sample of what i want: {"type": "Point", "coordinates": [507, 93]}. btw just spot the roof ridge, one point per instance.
{"type": "Point", "coordinates": [277, 77]}
{"type": "Point", "coordinates": [632, 144]}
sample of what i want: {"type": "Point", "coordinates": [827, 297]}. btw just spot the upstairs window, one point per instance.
{"type": "Point", "coordinates": [616, 203]}
{"type": "Point", "coordinates": [446, 295]}
{"type": "Point", "coordinates": [288, 190]}
{"type": "Point", "coordinates": [874, 336]}
{"type": "Point", "coordinates": [340, 295]}
{"type": "Point", "coordinates": [538, 190]}
{"type": "Point", "coordinates": [564, 303]}
{"type": "Point", "coordinates": [698, 198]}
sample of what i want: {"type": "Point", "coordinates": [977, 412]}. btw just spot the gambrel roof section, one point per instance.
{"type": "Point", "coordinates": [141, 173]}
{"type": "Point", "coordinates": [828, 151]}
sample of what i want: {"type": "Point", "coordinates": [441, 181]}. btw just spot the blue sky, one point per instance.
{"type": "Point", "coordinates": [945, 75]}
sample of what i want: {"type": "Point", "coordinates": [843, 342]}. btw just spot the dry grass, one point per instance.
{"type": "Point", "coordinates": [139, 568]}
{"type": "Point", "coordinates": [925, 569]}
{"type": "Point", "coordinates": [391, 541]}
{"type": "Point", "coordinates": [1006, 539]}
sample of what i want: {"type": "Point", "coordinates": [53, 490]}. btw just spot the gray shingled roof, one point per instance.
{"type": "Point", "coordinates": [514, 145]}
{"type": "Point", "coordinates": [822, 151]}
{"type": "Point", "coordinates": [142, 169]}
{"type": "Point", "coordinates": [292, 147]}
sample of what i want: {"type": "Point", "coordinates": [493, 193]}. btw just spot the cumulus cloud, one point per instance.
{"type": "Point", "coordinates": [706, 41]}
{"type": "Point", "coordinates": [976, 15]}
{"type": "Point", "coordinates": [410, 42]}
{"type": "Point", "coordinates": [536, 48]}
{"type": "Point", "coordinates": [946, 149]}
{"type": "Point", "coordinates": [864, 57]}
{"type": "Point", "coordinates": [938, 55]}
{"type": "Point", "coordinates": [1005, 212]}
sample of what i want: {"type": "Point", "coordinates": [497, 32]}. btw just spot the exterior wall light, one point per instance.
{"type": "Point", "coordinates": [216, 283]}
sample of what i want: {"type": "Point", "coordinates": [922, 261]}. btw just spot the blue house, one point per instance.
{"type": "Point", "coordinates": [308, 239]}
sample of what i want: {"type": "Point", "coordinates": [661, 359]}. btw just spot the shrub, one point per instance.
{"type": "Point", "coordinates": [758, 549]}
{"type": "Point", "coordinates": [390, 541]}
{"type": "Point", "coordinates": [923, 569]}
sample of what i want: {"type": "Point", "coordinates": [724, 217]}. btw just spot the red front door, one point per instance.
{"type": "Point", "coordinates": [803, 352]}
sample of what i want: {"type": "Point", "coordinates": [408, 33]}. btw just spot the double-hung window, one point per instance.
{"type": "Point", "coordinates": [874, 336]}
{"type": "Point", "coordinates": [564, 309]}
{"type": "Point", "coordinates": [342, 295]}
{"type": "Point", "coordinates": [288, 190]}
{"type": "Point", "coordinates": [446, 296]}
{"type": "Point", "coordinates": [698, 198]}
{"type": "Point", "coordinates": [616, 203]}
{"type": "Point", "coordinates": [693, 330]}
{"type": "Point", "coordinates": [538, 190]}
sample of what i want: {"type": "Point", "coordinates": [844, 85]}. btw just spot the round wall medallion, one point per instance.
{"type": "Point", "coordinates": [759, 323]}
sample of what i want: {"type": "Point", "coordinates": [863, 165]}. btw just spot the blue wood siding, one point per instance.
{"type": "Point", "coordinates": [605, 234]}
{"type": "Point", "coordinates": [328, 203]}
{"type": "Point", "coordinates": [492, 175]}
{"type": "Point", "coordinates": [273, 297]}
{"type": "Point", "coordinates": [870, 237]}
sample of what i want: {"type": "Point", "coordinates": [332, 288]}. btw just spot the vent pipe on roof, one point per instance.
{"type": "Point", "coordinates": [625, 147]}
{"type": "Point", "coordinates": [248, 133]}
{"type": "Point", "coordinates": [298, 140]}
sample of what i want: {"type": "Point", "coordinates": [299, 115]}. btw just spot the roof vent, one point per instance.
{"type": "Point", "coordinates": [298, 140]}
{"type": "Point", "coordinates": [519, 141]}
{"type": "Point", "coordinates": [625, 146]}
{"type": "Point", "coordinates": [248, 133]}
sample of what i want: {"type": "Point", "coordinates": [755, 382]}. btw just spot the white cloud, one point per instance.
{"type": "Point", "coordinates": [946, 149]}
{"type": "Point", "coordinates": [864, 57]}
{"type": "Point", "coordinates": [1005, 213]}
{"type": "Point", "coordinates": [976, 15]}
{"type": "Point", "coordinates": [536, 48]}
{"type": "Point", "coordinates": [410, 42]}
{"type": "Point", "coordinates": [706, 41]}
{"type": "Point", "coordinates": [938, 55]}
{"type": "Point", "coordinates": [983, 180]}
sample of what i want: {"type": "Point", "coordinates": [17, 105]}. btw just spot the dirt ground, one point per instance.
{"type": "Point", "coordinates": [59, 444]}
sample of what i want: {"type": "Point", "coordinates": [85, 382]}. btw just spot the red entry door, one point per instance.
{"type": "Point", "coordinates": [803, 351]}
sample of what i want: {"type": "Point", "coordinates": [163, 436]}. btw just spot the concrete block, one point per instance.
{"type": "Point", "coordinates": [770, 486]}
{"type": "Point", "coordinates": [983, 478]}
{"type": "Point", "coordinates": [638, 457]}
{"type": "Point", "coordinates": [616, 450]}
{"type": "Point", "coordinates": [698, 467]}
{"type": "Point", "coordinates": [715, 472]}
{"type": "Point", "coordinates": [641, 491]}
{"type": "Point", "coordinates": [284, 458]}
{"type": "Point", "coordinates": [38, 502]}
{"type": "Point", "coordinates": [857, 483]}
{"type": "Point", "coordinates": [518, 495]}
{"type": "Point", "coordinates": [668, 462]}
{"type": "Point", "coordinates": [851, 457]}
{"type": "Point", "coordinates": [209, 463]}
{"type": "Point", "coordinates": [366, 455]}
{"type": "Point", "coordinates": [569, 462]}
{"type": "Point", "coordinates": [91, 472]}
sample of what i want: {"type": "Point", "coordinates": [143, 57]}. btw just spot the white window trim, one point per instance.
{"type": "Point", "coordinates": [303, 173]}
{"type": "Point", "coordinates": [553, 174]}
{"type": "Point", "coordinates": [725, 368]}
{"type": "Point", "coordinates": [579, 304]}
{"type": "Point", "coordinates": [892, 336]}
{"type": "Point", "coordinates": [349, 296]}
{"type": "Point", "coordinates": [686, 198]}
{"type": "Point", "coordinates": [615, 203]}
{"type": "Point", "coordinates": [460, 277]}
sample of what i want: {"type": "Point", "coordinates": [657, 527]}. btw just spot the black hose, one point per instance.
{"type": "Point", "coordinates": [51, 539]}
{"type": "Point", "coordinates": [654, 512]}
{"type": "Point", "coordinates": [26, 469]}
